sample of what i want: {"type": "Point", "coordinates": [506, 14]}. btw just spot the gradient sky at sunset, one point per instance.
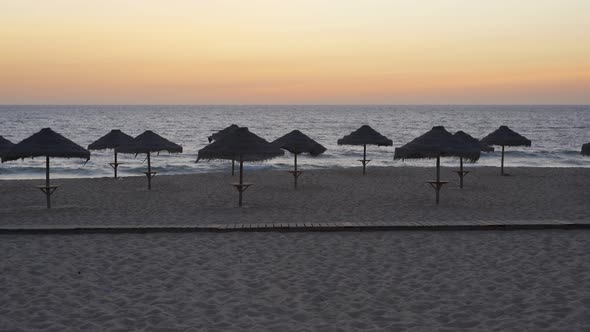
{"type": "Point", "coordinates": [302, 52]}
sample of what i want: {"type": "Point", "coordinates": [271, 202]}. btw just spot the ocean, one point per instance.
{"type": "Point", "coordinates": [557, 134]}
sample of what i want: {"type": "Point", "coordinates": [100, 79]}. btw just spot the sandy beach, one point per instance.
{"type": "Point", "coordinates": [350, 281]}
{"type": "Point", "coordinates": [534, 280]}
{"type": "Point", "coordinates": [333, 195]}
{"type": "Point", "coordinates": [178, 90]}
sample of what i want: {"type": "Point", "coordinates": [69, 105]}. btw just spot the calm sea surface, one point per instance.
{"type": "Point", "coordinates": [557, 132]}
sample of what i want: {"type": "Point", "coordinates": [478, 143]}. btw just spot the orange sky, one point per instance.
{"type": "Point", "coordinates": [302, 52]}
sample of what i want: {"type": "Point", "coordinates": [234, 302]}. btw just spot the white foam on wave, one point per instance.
{"type": "Point", "coordinates": [557, 133]}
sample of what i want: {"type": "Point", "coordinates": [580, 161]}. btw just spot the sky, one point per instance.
{"type": "Point", "coordinates": [295, 52]}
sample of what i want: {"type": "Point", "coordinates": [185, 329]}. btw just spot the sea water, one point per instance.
{"type": "Point", "coordinates": [557, 134]}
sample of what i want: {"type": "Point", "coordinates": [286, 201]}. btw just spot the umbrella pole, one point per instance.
{"type": "Point", "coordinates": [437, 178]}
{"type": "Point", "coordinates": [149, 175]}
{"type": "Point", "coordinates": [47, 192]}
{"type": "Point", "coordinates": [364, 158]}
{"type": "Point", "coordinates": [241, 182]}
{"type": "Point", "coordinates": [461, 172]}
{"type": "Point", "coordinates": [295, 171]}
{"type": "Point", "coordinates": [233, 167]}
{"type": "Point", "coordinates": [115, 164]}
{"type": "Point", "coordinates": [502, 164]}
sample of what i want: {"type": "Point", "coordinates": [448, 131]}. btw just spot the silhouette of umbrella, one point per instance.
{"type": "Point", "coordinates": [586, 149]}
{"type": "Point", "coordinates": [364, 136]}
{"type": "Point", "coordinates": [297, 142]}
{"type": "Point", "coordinates": [240, 145]}
{"type": "Point", "coordinates": [5, 145]}
{"type": "Point", "coordinates": [49, 144]}
{"type": "Point", "coordinates": [113, 140]}
{"type": "Point", "coordinates": [437, 143]}
{"type": "Point", "coordinates": [505, 136]}
{"type": "Point", "coordinates": [147, 143]}
{"type": "Point", "coordinates": [222, 133]}
{"type": "Point", "coordinates": [468, 139]}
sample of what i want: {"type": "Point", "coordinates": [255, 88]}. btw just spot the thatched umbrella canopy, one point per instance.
{"type": "Point", "coordinates": [147, 143]}
{"type": "Point", "coordinates": [437, 143]}
{"type": "Point", "coordinates": [222, 133]}
{"type": "Point", "coordinates": [113, 140]}
{"type": "Point", "coordinates": [46, 143]}
{"type": "Point", "coordinates": [5, 145]}
{"type": "Point", "coordinates": [297, 142]}
{"type": "Point", "coordinates": [470, 140]}
{"type": "Point", "coordinates": [505, 136]}
{"type": "Point", "coordinates": [586, 149]}
{"type": "Point", "coordinates": [364, 136]}
{"type": "Point", "coordinates": [240, 145]}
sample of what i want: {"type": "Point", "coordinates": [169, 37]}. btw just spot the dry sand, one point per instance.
{"type": "Point", "coordinates": [340, 281]}
{"type": "Point", "coordinates": [343, 281]}
{"type": "Point", "coordinates": [336, 195]}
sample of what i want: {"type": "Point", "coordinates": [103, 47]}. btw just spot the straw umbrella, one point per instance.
{"type": "Point", "coordinates": [505, 136]}
{"type": "Point", "coordinates": [147, 143]}
{"type": "Point", "coordinates": [114, 139]}
{"type": "Point", "coordinates": [364, 136]}
{"type": "Point", "coordinates": [297, 142]}
{"type": "Point", "coordinates": [5, 145]}
{"type": "Point", "coordinates": [46, 143]}
{"type": "Point", "coordinates": [468, 139]}
{"type": "Point", "coordinates": [437, 143]}
{"type": "Point", "coordinates": [586, 149]}
{"type": "Point", "coordinates": [222, 133]}
{"type": "Point", "coordinates": [240, 145]}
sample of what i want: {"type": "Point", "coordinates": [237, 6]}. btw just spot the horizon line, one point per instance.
{"type": "Point", "coordinates": [294, 104]}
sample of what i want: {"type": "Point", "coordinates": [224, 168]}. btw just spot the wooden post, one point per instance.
{"type": "Point", "coordinates": [437, 178]}
{"type": "Point", "coordinates": [47, 192]}
{"type": "Point", "coordinates": [461, 172]}
{"type": "Point", "coordinates": [241, 182]}
{"type": "Point", "coordinates": [364, 158]}
{"type": "Point", "coordinates": [295, 174]}
{"type": "Point", "coordinates": [149, 174]}
{"type": "Point", "coordinates": [502, 164]}
{"type": "Point", "coordinates": [115, 165]}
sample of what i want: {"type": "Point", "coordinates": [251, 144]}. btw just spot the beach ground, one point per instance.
{"type": "Point", "coordinates": [526, 280]}
{"type": "Point", "coordinates": [341, 281]}
{"type": "Point", "coordinates": [384, 195]}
